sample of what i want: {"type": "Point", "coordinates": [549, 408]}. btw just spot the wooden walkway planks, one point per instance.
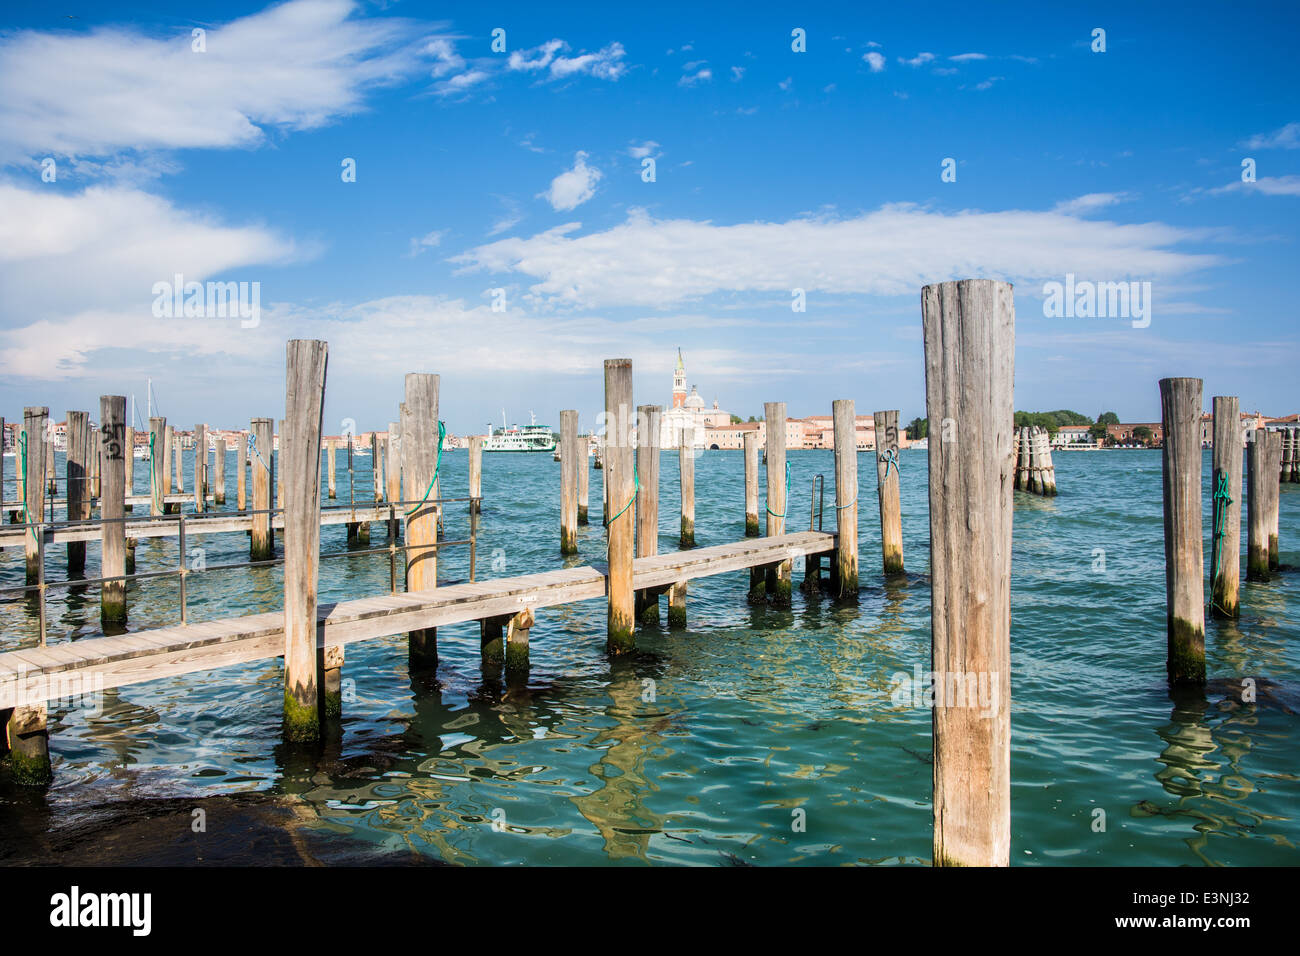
{"type": "Point", "coordinates": [32, 675]}
{"type": "Point", "coordinates": [214, 523]}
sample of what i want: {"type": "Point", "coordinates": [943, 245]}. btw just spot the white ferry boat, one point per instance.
{"type": "Point", "coordinates": [530, 437]}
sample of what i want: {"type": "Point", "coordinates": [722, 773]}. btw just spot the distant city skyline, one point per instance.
{"type": "Point", "coordinates": [609, 184]}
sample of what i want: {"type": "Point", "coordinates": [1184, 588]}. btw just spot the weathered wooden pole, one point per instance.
{"type": "Point", "coordinates": [584, 477]}
{"type": "Point", "coordinates": [844, 422]}
{"type": "Point", "coordinates": [1225, 477]}
{"type": "Point", "coordinates": [1257, 515]}
{"type": "Point", "coordinates": [330, 447]}
{"type": "Point", "coordinates": [262, 540]}
{"type": "Point", "coordinates": [1274, 494]}
{"type": "Point", "coordinates": [77, 495]}
{"type": "Point", "coordinates": [1284, 473]}
{"type": "Point", "coordinates": [200, 468]}
{"type": "Point", "coordinates": [304, 401]}
{"type": "Point", "coordinates": [516, 648]}
{"type": "Point", "coordinates": [619, 478]}
{"type": "Point", "coordinates": [1180, 409]}
{"type": "Point", "coordinates": [569, 481]}
{"type": "Point", "coordinates": [178, 462]}
{"type": "Point", "coordinates": [1049, 469]}
{"type": "Point", "coordinates": [686, 480]}
{"type": "Point", "coordinates": [169, 442]}
{"type": "Point", "coordinates": [277, 468]}
{"type": "Point", "coordinates": [112, 507]}
{"type": "Point", "coordinates": [393, 477]}
{"type": "Point", "coordinates": [751, 483]}
{"type": "Point", "coordinates": [777, 583]}
{"type": "Point", "coordinates": [157, 464]}
{"type": "Point", "coordinates": [28, 762]}
{"type": "Point", "coordinates": [241, 470]}
{"type": "Point", "coordinates": [93, 446]}
{"type": "Point", "coordinates": [887, 490]}
{"type": "Point", "coordinates": [128, 462]}
{"type": "Point", "coordinates": [1023, 479]}
{"type": "Point", "coordinates": [419, 427]}
{"type": "Point", "coordinates": [491, 642]}
{"type": "Point", "coordinates": [649, 421]}
{"type": "Point", "coordinates": [219, 472]}
{"type": "Point", "coordinates": [377, 466]}
{"type": "Point", "coordinates": [49, 467]}
{"type": "Point", "coordinates": [35, 424]}
{"type": "Point", "coordinates": [969, 332]}
{"type": "Point", "coordinates": [476, 472]}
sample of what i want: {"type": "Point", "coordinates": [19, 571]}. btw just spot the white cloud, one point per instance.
{"type": "Point", "coordinates": [737, 73]}
{"type": "Point", "coordinates": [695, 73]}
{"type": "Point", "coordinates": [573, 187]}
{"type": "Point", "coordinates": [299, 65]}
{"type": "Point", "coordinates": [987, 84]}
{"type": "Point", "coordinates": [892, 251]}
{"type": "Point", "coordinates": [1267, 185]}
{"type": "Point", "coordinates": [966, 57]}
{"type": "Point", "coordinates": [642, 151]}
{"type": "Point", "coordinates": [446, 59]}
{"type": "Point", "coordinates": [605, 64]}
{"type": "Point", "coordinates": [786, 84]}
{"type": "Point", "coordinates": [874, 60]}
{"type": "Point", "coordinates": [1089, 202]}
{"type": "Point", "coordinates": [461, 82]}
{"type": "Point", "coordinates": [919, 60]}
{"type": "Point", "coordinates": [430, 240]}
{"type": "Point", "coordinates": [1287, 137]}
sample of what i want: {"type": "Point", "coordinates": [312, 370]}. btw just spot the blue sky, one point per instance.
{"type": "Point", "coordinates": [522, 171]}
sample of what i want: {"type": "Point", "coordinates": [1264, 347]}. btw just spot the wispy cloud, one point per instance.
{"type": "Point", "coordinates": [1286, 137]}
{"type": "Point", "coordinates": [874, 60]}
{"type": "Point", "coordinates": [695, 73]}
{"type": "Point", "coordinates": [573, 187]}
{"type": "Point", "coordinates": [919, 60]}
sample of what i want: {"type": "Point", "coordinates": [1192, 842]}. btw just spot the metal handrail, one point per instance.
{"type": "Point", "coordinates": [817, 502]}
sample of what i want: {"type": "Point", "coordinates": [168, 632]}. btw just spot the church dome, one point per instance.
{"type": "Point", "coordinates": [694, 400]}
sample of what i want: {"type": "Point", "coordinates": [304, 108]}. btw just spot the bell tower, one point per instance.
{"type": "Point", "coordinates": [679, 382]}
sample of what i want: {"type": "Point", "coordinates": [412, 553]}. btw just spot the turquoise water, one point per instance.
{"type": "Point", "coordinates": [703, 747]}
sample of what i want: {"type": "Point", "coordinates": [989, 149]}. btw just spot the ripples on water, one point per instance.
{"type": "Point", "coordinates": [757, 712]}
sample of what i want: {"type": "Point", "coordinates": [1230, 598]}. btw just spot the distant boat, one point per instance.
{"type": "Point", "coordinates": [522, 438]}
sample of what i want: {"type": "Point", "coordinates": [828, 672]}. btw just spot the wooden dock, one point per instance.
{"type": "Point", "coordinates": [31, 676]}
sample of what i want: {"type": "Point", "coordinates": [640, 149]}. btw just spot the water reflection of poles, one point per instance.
{"type": "Point", "coordinates": [617, 808]}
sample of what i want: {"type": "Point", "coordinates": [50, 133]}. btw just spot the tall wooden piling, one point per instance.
{"type": "Point", "coordinates": [649, 421]}
{"type": "Point", "coordinates": [1225, 478]}
{"type": "Point", "coordinates": [1284, 473]}
{"type": "Point", "coordinates": [1043, 461]}
{"type": "Point", "coordinates": [128, 459]}
{"type": "Point", "coordinates": [377, 466]}
{"type": "Point", "coordinates": [178, 462]}
{"type": "Point", "coordinates": [33, 461]}
{"type": "Point", "coordinates": [112, 506]}
{"type": "Point", "coordinates": [619, 478]}
{"type": "Point", "coordinates": [333, 464]}
{"type": "Point", "coordinates": [686, 480]}
{"type": "Point", "coordinates": [584, 476]}
{"type": "Point", "coordinates": [157, 464]}
{"type": "Point", "coordinates": [77, 493]}
{"type": "Point", "coordinates": [52, 485]}
{"type": "Point", "coordinates": [278, 440]}
{"type": "Point", "coordinates": [219, 471]}
{"type": "Point", "coordinates": [1022, 459]}
{"type": "Point", "coordinates": [1180, 409]}
{"type": "Point", "coordinates": [304, 401]}
{"type": "Point", "coordinates": [241, 470]}
{"type": "Point", "coordinates": [777, 583]}
{"type": "Point", "coordinates": [844, 422]}
{"type": "Point", "coordinates": [751, 483]}
{"type": "Point", "coordinates": [969, 333]}
{"type": "Point", "coordinates": [887, 491]}
{"type": "Point", "coordinates": [1274, 493]}
{"type": "Point", "coordinates": [169, 441]}
{"type": "Point", "coordinates": [1257, 515]}
{"type": "Point", "coordinates": [93, 446]}
{"type": "Point", "coordinates": [569, 481]}
{"type": "Point", "coordinates": [200, 468]}
{"type": "Point", "coordinates": [393, 477]}
{"type": "Point", "coordinates": [262, 540]}
{"type": "Point", "coordinates": [476, 472]}
{"type": "Point", "coordinates": [419, 427]}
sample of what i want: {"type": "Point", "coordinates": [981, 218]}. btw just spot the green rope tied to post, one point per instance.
{"type": "Point", "coordinates": [1220, 495]}
{"type": "Point", "coordinates": [787, 495]}
{"type": "Point", "coordinates": [636, 490]}
{"type": "Point", "coordinates": [891, 460]}
{"type": "Point", "coordinates": [437, 466]}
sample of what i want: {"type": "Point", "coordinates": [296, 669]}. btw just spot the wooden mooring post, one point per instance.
{"type": "Point", "coordinates": [1284, 475]}
{"type": "Point", "coordinates": [844, 574]}
{"type": "Point", "coordinates": [1225, 478]}
{"type": "Point", "coordinates": [278, 441]}
{"type": "Point", "coordinates": [887, 490]}
{"type": "Point", "coordinates": [33, 460]}
{"type": "Point", "coordinates": [169, 441]}
{"type": "Point", "coordinates": [332, 467]}
{"type": "Point", "coordinates": [78, 492]}
{"type": "Point", "coordinates": [776, 576]}
{"type": "Point", "coordinates": [621, 500]}
{"type": "Point", "coordinates": [219, 471]}
{"type": "Point", "coordinates": [128, 463]}
{"type": "Point", "coordinates": [584, 476]}
{"type": "Point", "coordinates": [419, 427]}
{"type": "Point", "coordinates": [969, 333]}
{"type": "Point", "coordinates": [1258, 478]}
{"type": "Point", "coordinates": [200, 468]}
{"type": "Point", "coordinates": [1274, 494]}
{"type": "Point", "coordinates": [750, 440]}
{"type": "Point", "coordinates": [569, 481]}
{"type": "Point", "coordinates": [306, 361]}
{"type": "Point", "coordinates": [649, 419]}
{"type": "Point", "coordinates": [260, 463]}
{"type": "Point", "coordinates": [393, 477]}
{"type": "Point", "coordinates": [157, 464]}
{"type": "Point", "coordinates": [686, 481]}
{"type": "Point", "coordinates": [112, 506]}
{"type": "Point", "coordinates": [241, 470]}
{"type": "Point", "coordinates": [476, 472]}
{"type": "Point", "coordinates": [1180, 410]}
